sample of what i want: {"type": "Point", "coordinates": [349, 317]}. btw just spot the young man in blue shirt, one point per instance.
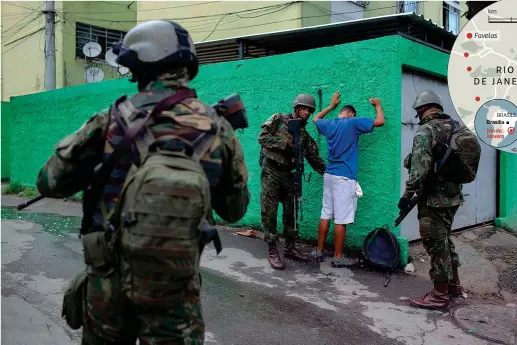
{"type": "Point", "coordinates": [339, 181]}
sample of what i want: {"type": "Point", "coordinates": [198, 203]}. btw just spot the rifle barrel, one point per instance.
{"type": "Point", "coordinates": [30, 202]}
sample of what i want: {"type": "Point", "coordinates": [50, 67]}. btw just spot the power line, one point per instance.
{"type": "Point", "coordinates": [20, 28]}
{"type": "Point", "coordinates": [257, 13]}
{"type": "Point", "coordinates": [208, 29]}
{"type": "Point", "coordinates": [287, 20]}
{"type": "Point", "coordinates": [33, 10]}
{"type": "Point", "coordinates": [187, 18]}
{"type": "Point", "coordinates": [23, 40]}
{"type": "Point", "coordinates": [16, 5]}
{"type": "Point", "coordinates": [215, 27]}
{"type": "Point", "coordinates": [152, 9]}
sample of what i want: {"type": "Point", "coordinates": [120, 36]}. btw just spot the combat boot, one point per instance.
{"type": "Point", "coordinates": [293, 253]}
{"type": "Point", "coordinates": [455, 289]}
{"type": "Point", "coordinates": [274, 257]}
{"type": "Point", "coordinates": [438, 298]}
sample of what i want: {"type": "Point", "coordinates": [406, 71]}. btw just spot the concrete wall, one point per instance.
{"type": "Point", "coordinates": [508, 188]}
{"type": "Point", "coordinates": [266, 85]}
{"type": "Point", "coordinates": [109, 15]}
{"type": "Point", "coordinates": [23, 41]}
{"type": "Point", "coordinates": [218, 20]}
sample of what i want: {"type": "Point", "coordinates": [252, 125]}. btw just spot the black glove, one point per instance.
{"type": "Point", "coordinates": [403, 203]}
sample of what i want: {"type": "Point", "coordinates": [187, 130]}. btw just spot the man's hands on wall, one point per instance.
{"type": "Point", "coordinates": [334, 101]}
{"type": "Point", "coordinates": [375, 102]}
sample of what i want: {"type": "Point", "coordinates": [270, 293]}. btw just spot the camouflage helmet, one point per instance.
{"type": "Point", "coordinates": [306, 100]}
{"type": "Point", "coordinates": [155, 46]}
{"type": "Point", "coordinates": [427, 97]}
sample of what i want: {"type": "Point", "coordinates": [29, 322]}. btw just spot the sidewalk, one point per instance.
{"type": "Point", "coordinates": [357, 294]}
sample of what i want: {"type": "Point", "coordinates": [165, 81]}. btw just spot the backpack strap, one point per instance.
{"type": "Point", "coordinates": [96, 188]}
{"type": "Point", "coordinates": [449, 148]}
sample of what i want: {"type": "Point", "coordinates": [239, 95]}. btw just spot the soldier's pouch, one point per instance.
{"type": "Point", "coordinates": [448, 189]}
{"type": "Point", "coordinates": [73, 301]}
{"type": "Point", "coordinates": [98, 254]}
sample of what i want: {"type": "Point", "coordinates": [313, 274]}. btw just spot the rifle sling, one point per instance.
{"type": "Point", "coordinates": [102, 177]}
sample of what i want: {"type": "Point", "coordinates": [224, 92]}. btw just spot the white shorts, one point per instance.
{"type": "Point", "coordinates": [339, 199]}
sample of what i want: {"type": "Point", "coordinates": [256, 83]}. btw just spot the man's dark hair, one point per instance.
{"type": "Point", "coordinates": [348, 107]}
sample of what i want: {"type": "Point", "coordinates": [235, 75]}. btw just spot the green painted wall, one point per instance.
{"type": "Point", "coordinates": [6, 141]}
{"type": "Point", "coordinates": [508, 189]}
{"type": "Point", "coordinates": [359, 70]}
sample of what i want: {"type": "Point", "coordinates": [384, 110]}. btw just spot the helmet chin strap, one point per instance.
{"type": "Point", "coordinates": [423, 109]}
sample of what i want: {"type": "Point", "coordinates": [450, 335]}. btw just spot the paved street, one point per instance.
{"type": "Point", "coordinates": [244, 300]}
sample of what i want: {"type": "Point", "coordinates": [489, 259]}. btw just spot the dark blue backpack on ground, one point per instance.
{"type": "Point", "coordinates": [381, 251]}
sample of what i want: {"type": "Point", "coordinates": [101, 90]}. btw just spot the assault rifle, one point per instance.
{"type": "Point", "coordinates": [294, 127]}
{"type": "Point", "coordinates": [430, 183]}
{"type": "Point", "coordinates": [231, 108]}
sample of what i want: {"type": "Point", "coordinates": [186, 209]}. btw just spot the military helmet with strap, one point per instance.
{"type": "Point", "coordinates": [156, 45]}
{"type": "Point", "coordinates": [304, 99]}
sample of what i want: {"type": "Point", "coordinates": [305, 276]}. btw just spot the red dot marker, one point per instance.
{"type": "Point", "coordinates": [469, 35]}
{"type": "Point", "coordinates": [466, 54]}
{"type": "Point", "coordinates": [478, 99]}
{"type": "Point", "coordinates": [469, 68]}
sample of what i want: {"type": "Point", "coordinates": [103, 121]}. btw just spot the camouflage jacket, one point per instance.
{"type": "Point", "coordinates": [433, 130]}
{"type": "Point", "coordinates": [76, 155]}
{"type": "Point", "coordinates": [277, 142]}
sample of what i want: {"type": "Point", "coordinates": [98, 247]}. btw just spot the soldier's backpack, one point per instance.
{"type": "Point", "coordinates": [164, 205]}
{"type": "Point", "coordinates": [462, 153]}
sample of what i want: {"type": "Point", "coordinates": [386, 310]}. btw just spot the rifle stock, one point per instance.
{"type": "Point", "coordinates": [231, 108]}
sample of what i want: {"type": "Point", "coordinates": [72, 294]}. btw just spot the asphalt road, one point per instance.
{"type": "Point", "coordinates": [244, 300]}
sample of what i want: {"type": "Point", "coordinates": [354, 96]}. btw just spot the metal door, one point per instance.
{"type": "Point", "coordinates": [480, 195]}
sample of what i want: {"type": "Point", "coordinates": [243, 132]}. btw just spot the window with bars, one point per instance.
{"type": "Point", "coordinates": [85, 33]}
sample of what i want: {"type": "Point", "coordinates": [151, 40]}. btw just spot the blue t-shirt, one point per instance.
{"type": "Point", "coordinates": [343, 143]}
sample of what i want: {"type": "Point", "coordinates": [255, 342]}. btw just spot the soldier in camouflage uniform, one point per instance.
{"type": "Point", "coordinates": [277, 177]}
{"type": "Point", "coordinates": [437, 209]}
{"type": "Point", "coordinates": [162, 60]}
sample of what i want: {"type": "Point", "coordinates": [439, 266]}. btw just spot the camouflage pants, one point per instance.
{"type": "Point", "coordinates": [112, 319]}
{"type": "Point", "coordinates": [277, 187]}
{"type": "Point", "coordinates": [435, 230]}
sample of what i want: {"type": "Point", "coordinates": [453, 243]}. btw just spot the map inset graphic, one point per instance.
{"type": "Point", "coordinates": [495, 123]}
{"type": "Point", "coordinates": [482, 75]}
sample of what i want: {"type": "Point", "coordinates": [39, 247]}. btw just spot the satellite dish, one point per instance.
{"type": "Point", "coordinates": [122, 70]}
{"type": "Point", "coordinates": [92, 49]}
{"type": "Point", "coordinates": [111, 58]}
{"type": "Point", "coordinates": [93, 75]}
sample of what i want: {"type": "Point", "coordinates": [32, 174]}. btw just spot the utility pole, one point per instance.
{"type": "Point", "coordinates": [50, 46]}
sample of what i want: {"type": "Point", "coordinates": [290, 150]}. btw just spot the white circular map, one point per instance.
{"type": "Point", "coordinates": [482, 75]}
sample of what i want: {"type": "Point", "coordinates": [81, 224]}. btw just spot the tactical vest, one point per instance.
{"type": "Point", "coordinates": [282, 160]}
